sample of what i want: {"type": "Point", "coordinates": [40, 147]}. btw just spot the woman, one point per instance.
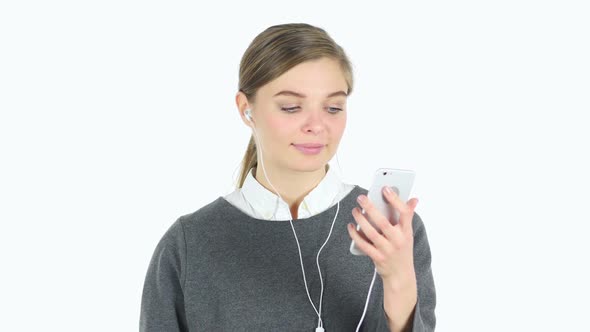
{"type": "Point", "coordinates": [274, 254]}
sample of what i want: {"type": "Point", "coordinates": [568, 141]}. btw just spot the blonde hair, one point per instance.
{"type": "Point", "coordinates": [272, 53]}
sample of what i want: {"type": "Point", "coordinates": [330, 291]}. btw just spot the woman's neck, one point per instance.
{"type": "Point", "coordinates": [292, 186]}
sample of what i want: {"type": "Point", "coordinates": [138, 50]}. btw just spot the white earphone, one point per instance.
{"type": "Point", "coordinates": [248, 114]}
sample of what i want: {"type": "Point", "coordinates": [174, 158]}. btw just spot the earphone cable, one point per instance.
{"type": "Point", "coordinates": [367, 302]}
{"type": "Point", "coordinates": [318, 262]}
{"type": "Point", "coordinates": [318, 312]}
{"type": "Point", "coordinates": [320, 324]}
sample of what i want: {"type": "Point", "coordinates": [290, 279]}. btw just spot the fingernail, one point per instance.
{"type": "Point", "coordinates": [388, 190]}
{"type": "Point", "coordinates": [361, 199]}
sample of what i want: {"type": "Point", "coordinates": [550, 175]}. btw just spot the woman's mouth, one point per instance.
{"type": "Point", "coordinates": [310, 148]}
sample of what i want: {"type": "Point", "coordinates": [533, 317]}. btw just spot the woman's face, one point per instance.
{"type": "Point", "coordinates": [305, 105]}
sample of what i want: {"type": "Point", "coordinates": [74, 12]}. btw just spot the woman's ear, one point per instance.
{"type": "Point", "coordinates": [242, 104]}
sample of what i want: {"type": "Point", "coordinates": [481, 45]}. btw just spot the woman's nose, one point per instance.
{"type": "Point", "coordinates": [315, 122]}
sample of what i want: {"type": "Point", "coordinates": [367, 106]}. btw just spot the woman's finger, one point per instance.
{"type": "Point", "coordinates": [364, 245]}
{"type": "Point", "coordinates": [371, 212]}
{"type": "Point", "coordinates": [406, 211]}
{"type": "Point", "coordinates": [372, 234]}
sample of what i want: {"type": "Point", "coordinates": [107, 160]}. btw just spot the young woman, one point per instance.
{"type": "Point", "coordinates": [274, 254]}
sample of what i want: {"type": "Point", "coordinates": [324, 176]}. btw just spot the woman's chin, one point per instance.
{"type": "Point", "coordinates": [309, 165]}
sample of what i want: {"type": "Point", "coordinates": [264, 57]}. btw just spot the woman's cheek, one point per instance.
{"type": "Point", "coordinates": [282, 129]}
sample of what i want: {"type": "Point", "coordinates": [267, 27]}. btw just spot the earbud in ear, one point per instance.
{"type": "Point", "coordinates": [248, 114]}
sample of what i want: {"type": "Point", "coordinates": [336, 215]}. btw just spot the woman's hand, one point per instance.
{"type": "Point", "coordinates": [392, 252]}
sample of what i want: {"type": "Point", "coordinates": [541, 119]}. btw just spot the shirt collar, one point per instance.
{"type": "Point", "coordinates": [268, 205]}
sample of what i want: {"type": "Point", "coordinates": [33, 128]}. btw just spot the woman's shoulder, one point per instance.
{"type": "Point", "coordinates": [192, 224]}
{"type": "Point", "coordinates": [211, 210]}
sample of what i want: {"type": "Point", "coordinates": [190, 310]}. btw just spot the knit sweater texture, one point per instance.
{"type": "Point", "coordinates": [218, 269]}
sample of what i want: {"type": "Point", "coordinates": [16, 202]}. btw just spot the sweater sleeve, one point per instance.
{"type": "Point", "coordinates": [424, 318]}
{"type": "Point", "coordinates": [162, 302]}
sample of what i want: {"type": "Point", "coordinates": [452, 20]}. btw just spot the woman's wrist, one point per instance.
{"type": "Point", "coordinates": [399, 302]}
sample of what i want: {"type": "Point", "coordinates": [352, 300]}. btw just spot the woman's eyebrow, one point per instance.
{"type": "Point", "coordinates": [300, 95]}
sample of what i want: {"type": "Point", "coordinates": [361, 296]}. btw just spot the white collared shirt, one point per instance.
{"type": "Point", "coordinates": [258, 202]}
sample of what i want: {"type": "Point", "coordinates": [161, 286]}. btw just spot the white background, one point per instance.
{"type": "Point", "coordinates": [118, 116]}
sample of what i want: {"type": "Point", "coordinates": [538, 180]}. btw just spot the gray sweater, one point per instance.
{"type": "Point", "coordinates": [218, 269]}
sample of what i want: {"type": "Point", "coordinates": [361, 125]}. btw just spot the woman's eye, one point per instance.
{"type": "Point", "coordinates": [289, 109]}
{"type": "Point", "coordinates": [332, 110]}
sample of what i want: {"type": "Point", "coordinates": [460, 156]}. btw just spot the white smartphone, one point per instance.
{"type": "Point", "coordinates": [401, 181]}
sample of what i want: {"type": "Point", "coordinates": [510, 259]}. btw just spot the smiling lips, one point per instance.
{"type": "Point", "coordinates": [310, 148]}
